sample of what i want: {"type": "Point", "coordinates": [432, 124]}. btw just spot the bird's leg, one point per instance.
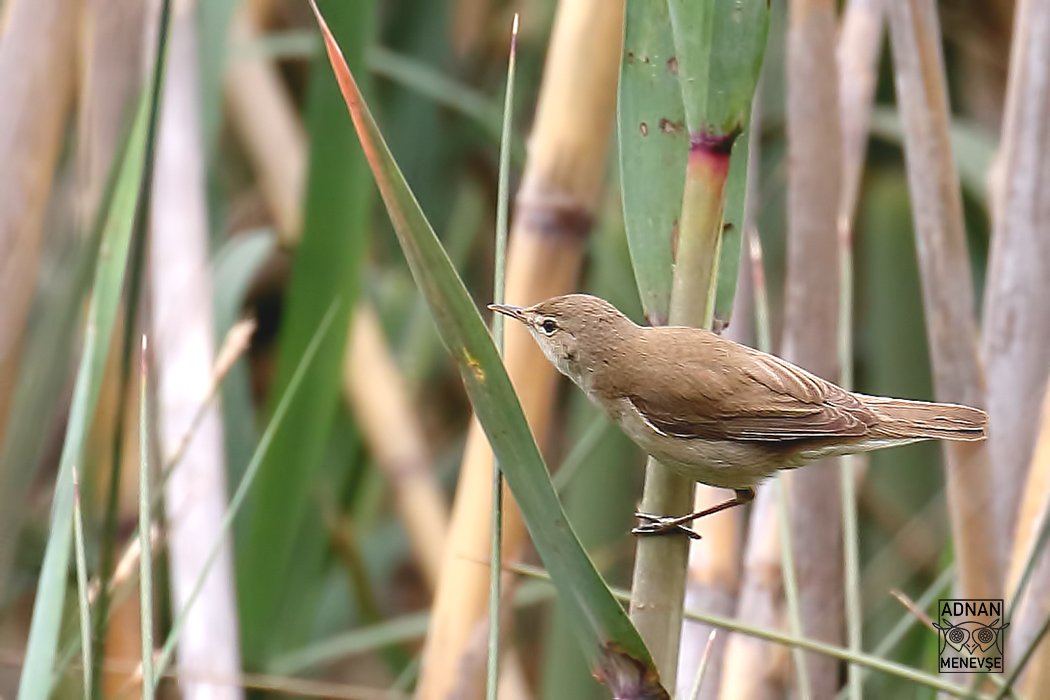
{"type": "Point", "coordinates": [663, 524]}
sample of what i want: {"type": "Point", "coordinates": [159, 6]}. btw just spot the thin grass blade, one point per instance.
{"type": "Point", "coordinates": [82, 585]}
{"type": "Point", "coordinates": [499, 291]}
{"type": "Point", "coordinates": [701, 671]}
{"type": "Point", "coordinates": [790, 574]}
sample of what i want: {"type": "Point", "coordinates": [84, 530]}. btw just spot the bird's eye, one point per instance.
{"type": "Point", "coordinates": [549, 326]}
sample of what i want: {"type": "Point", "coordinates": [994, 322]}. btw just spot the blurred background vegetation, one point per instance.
{"type": "Point", "coordinates": [262, 208]}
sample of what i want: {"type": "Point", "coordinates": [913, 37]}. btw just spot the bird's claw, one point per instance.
{"type": "Point", "coordinates": [668, 529]}
{"type": "Point", "coordinates": [662, 525]}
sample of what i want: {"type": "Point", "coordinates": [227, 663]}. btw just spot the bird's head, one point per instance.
{"type": "Point", "coordinates": [572, 330]}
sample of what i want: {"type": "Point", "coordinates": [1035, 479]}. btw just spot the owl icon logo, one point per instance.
{"type": "Point", "coordinates": [971, 633]}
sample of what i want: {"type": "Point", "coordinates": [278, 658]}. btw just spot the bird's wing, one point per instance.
{"type": "Point", "coordinates": [725, 391]}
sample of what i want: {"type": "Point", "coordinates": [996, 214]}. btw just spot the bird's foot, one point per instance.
{"type": "Point", "coordinates": [663, 525]}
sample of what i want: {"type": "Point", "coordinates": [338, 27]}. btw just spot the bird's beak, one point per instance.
{"type": "Point", "coordinates": [515, 312]}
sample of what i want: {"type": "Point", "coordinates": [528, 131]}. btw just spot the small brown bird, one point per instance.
{"type": "Point", "coordinates": [718, 412]}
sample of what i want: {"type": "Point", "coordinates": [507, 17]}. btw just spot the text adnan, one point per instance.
{"type": "Point", "coordinates": [972, 608]}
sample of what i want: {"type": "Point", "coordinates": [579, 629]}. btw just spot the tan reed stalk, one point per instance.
{"type": "Point", "coordinates": [858, 52]}
{"type": "Point", "coordinates": [811, 314]}
{"type": "Point", "coordinates": [1035, 602]}
{"type": "Point", "coordinates": [1017, 327]}
{"type": "Point", "coordinates": [948, 299]}
{"type": "Point", "coordinates": [552, 217]}
{"type": "Point", "coordinates": [859, 47]}
{"type": "Point", "coordinates": [1015, 344]}
{"type": "Point", "coordinates": [37, 77]}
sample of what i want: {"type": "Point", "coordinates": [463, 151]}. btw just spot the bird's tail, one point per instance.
{"type": "Point", "coordinates": [901, 419]}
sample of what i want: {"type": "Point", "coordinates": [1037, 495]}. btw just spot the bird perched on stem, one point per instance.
{"type": "Point", "coordinates": [718, 412]}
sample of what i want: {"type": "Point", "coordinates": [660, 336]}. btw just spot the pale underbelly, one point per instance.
{"type": "Point", "coordinates": [727, 463]}
{"type": "Point", "coordinates": [731, 465]}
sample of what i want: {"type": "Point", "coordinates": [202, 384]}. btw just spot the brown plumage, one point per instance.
{"type": "Point", "coordinates": [721, 390]}
{"type": "Point", "coordinates": [722, 413]}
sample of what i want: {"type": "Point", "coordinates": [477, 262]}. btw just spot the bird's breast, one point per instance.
{"type": "Point", "coordinates": [723, 463]}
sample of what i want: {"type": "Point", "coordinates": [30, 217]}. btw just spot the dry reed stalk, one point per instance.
{"type": "Point", "coordinates": [811, 314]}
{"type": "Point", "coordinates": [553, 213]}
{"type": "Point", "coordinates": [859, 44]}
{"type": "Point", "coordinates": [1017, 329]}
{"type": "Point", "coordinates": [111, 74]}
{"type": "Point", "coordinates": [383, 409]}
{"type": "Point", "coordinates": [195, 496]}
{"type": "Point", "coordinates": [754, 669]}
{"type": "Point", "coordinates": [858, 58]}
{"type": "Point", "coordinates": [948, 297]}
{"type": "Point", "coordinates": [37, 77]}
{"type": "Point", "coordinates": [266, 121]}
{"type": "Point", "coordinates": [1035, 603]}
{"type": "Point", "coordinates": [1015, 344]}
